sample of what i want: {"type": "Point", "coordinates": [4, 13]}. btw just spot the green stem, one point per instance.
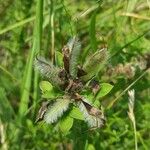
{"type": "Point", "coordinates": [8, 73]}
{"type": "Point", "coordinates": [38, 42]}
{"type": "Point", "coordinates": [135, 135]}
{"type": "Point", "coordinates": [52, 51]}
{"type": "Point", "coordinates": [123, 92]}
{"type": "Point", "coordinates": [29, 66]}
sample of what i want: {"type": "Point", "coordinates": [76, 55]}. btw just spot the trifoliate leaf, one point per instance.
{"type": "Point", "coordinates": [105, 88]}
{"type": "Point", "coordinates": [66, 124]}
{"type": "Point", "coordinates": [56, 110]}
{"type": "Point", "coordinates": [75, 47]}
{"type": "Point", "coordinates": [94, 63]}
{"type": "Point", "coordinates": [76, 113]}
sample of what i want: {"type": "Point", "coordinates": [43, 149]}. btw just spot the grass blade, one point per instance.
{"type": "Point", "coordinates": [92, 32]}
{"type": "Point", "coordinates": [28, 72]}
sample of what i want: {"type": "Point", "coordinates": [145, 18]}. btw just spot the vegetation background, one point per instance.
{"type": "Point", "coordinates": [28, 27]}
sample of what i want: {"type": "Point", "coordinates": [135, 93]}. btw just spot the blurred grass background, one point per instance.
{"type": "Point", "coordinates": [30, 27]}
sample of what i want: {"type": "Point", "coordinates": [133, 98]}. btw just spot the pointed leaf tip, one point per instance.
{"type": "Point", "coordinates": [105, 88]}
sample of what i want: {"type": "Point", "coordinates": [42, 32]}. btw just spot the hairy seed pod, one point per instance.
{"type": "Point", "coordinates": [94, 63]}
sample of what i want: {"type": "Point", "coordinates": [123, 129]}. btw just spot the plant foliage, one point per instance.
{"type": "Point", "coordinates": [31, 29]}
{"type": "Point", "coordinates": [69, 81]}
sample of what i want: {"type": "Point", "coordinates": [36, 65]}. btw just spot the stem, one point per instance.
{"type": "Point", "coordinates": [8, 73]}
{"type": "Point", "coordinates": [38, 42]}
{"type": "Point", "coordinates": [128, 87]}
{"type": "Point", "coordinates": [3, 142]}
{"type": "Point", "coordinates": [52, 51]}
{"type": "Point", "coordinates": [135, 135]}
{"type": "Point", "coordinates": [27, 79]}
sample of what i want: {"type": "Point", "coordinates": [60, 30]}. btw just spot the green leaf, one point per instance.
{"type": "Point", "coordinates": [59, 58]}
{"type": "Point", "coordinates": [76, 113]}
{"type": "Point", "coordinates": [66, 124]}
{"type": "Point", "coordinates": [28, 74]}
{"type": "Point", "coordinates": [48, 95]}
{"type": "Point", "coordinates": [47, 90]}
{"type": "Point", "coordinates": [51, 94]}
{"type": "Point", "coordinates": [89, 95]}
{"type": "Point", "coordinates": [105, 88]}
{"type": "Point", "coordinates": [91, 98]}
{"type": "Point", "coordinates": [92, 32]}
{"type": "Point", "coordinates": [90, 147]}
{"type": "Point", "coordinates": [45, 86]}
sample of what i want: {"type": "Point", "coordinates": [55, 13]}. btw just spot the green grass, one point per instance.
{"type": "Point", "coordinates": [28, 28]}
{"type": "Point", "coordinates": [36, 47]}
